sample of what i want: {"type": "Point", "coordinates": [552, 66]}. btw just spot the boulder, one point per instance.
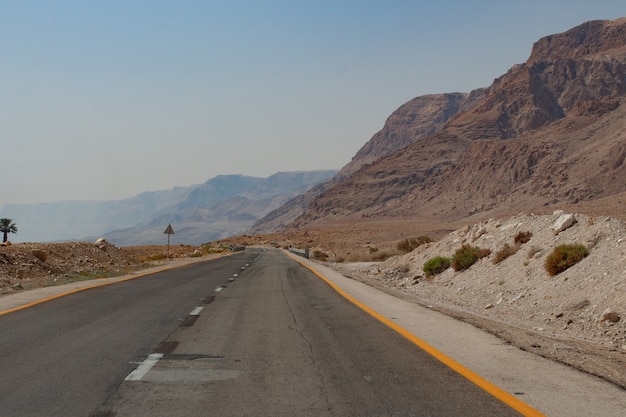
{"type": "Point", "coordinates": [563, 222]}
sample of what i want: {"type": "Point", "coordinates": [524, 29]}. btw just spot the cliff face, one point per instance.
{"type": "Point", "coordinates": [561, 117]}
{"type": "Point", "coordinates": [414, 120]}
{"type": "Point", "coordinates": [585, 63]}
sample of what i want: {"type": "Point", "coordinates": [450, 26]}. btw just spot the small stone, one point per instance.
{"type": "Point", "coordinates": [610, 315]}
{"type": "Point", "coordinates": [488, 306]}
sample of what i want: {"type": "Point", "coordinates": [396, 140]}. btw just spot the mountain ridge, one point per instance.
{"type": "Point", "coordinates": [547, 132]}
{"type": "Point", "coordinates": [228, 203]}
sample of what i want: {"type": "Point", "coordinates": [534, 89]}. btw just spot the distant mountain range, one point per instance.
{"type": "Point", "coordinates": [549, 133]}
{"type": "Point", "coordinates": [223, 206]}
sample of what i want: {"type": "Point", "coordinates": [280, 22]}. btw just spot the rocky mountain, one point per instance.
{"type": "Point", "coordinates": [223, 205]}
{"type": "Point", "coordinates": [71, 220]}
{"type": "Point", "coordinates": [549, 131]}
{"type": "Point", "coordinates": [414, 120]}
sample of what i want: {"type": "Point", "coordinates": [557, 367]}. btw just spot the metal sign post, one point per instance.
{"type": "Point", "coordinates": [169, 231]}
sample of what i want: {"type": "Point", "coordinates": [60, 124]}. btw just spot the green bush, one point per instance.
{"type": "Point", "coordinates": [409, 244]}
{"type": "Point", "coordinates": [436, 266]}
{"type": "Point", "coordinates": [467, 255]}
{"type": "Point", "coordinates": [565, 256]}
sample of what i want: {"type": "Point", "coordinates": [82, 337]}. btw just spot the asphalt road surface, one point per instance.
{"type": "Point", "coordinates": [66, 356]}
{"type": "Point", "coordinates": [253, 334]}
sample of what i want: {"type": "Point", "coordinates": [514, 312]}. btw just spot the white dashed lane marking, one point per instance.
{"type": "Point", "coordinates": [196, 311]}
{"type": "Point", "coordinates": [144, 367]}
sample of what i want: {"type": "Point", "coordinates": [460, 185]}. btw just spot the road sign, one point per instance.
{"type": "Point", "coordinates": [169, 232]}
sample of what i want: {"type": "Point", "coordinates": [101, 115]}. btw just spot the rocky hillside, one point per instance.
{"type": "Point", "coordinates": [32, 265]}
{"type": "Point", "coordinates": [26, 266]}
{"type": "Point", "coordinates": [583, 67]}
{"type": "Point", "coordinates": [550, 131]}
{"type": "Point", "coordinates": [414, 120]}
{"type": "Point", "coordinates": [577, 316]}
{"type": "Point", "coordinates": [223, 206]}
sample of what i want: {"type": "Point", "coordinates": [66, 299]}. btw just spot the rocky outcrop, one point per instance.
{"type": "Point", "coordinates": [584, 64]}
{"type": "Point", "coordinates": [414, 120]}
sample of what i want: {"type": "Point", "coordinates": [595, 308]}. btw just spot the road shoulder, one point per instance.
{"type": "Point", "coordinates": [552, 388]}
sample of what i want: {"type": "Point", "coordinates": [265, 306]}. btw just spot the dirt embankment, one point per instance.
{"type": "Point", "coordinates": [27, 266]}
{"type": "Point", "coordinates": [577, 317]}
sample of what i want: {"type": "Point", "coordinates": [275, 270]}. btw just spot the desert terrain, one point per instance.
{"type": "Point", "coordinates": [576, 317]}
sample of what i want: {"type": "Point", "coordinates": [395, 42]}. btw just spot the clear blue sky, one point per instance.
{"type": "Point", "coordinates": [106, 99]}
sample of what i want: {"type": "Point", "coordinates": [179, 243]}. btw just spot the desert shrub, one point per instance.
{"type": "Point", "coordinates": [436, 265]}
{"type": "Point", "coordinates": [563, 257]}
{"type": "Point", "coordinates": [375, 256]}
{"type": "Point", "coordinates": [409, 244]}
{"type": "Point", "coordinates": [532, 252]}
{"type": "Point", "coordinates": [380, 256]}
{"type": "Point", "coordinates": [41, 255]}
{"type": "Point", "coordinates": [320, 256]}
{"type": "Point", "coordinates": [504, 253]}
{"type": "Point", "coordinates": [522, 237]}
{"type": "Point", "coordinates": [154, 257]}
{"type": "Point", "coordinates": [467, 255]}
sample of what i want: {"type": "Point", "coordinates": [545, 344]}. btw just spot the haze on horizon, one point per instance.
{"type": "Point", "coordinates": [105, 100]}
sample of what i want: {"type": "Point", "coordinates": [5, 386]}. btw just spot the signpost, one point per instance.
{"type": "Point", "coordinates": [169, 231]}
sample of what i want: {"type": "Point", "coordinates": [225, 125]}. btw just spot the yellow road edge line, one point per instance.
{"type": "Point", "coordinates": [492, 389]}
{"type": "Point", "coordinates": [101, 284]}
{"type": "Point", "coordinates": [75, 290]}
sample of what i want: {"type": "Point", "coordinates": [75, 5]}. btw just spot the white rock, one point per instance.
{"type": "Point", "coordinates": [563, 222]}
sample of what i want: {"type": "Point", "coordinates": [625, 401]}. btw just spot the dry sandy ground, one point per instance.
{"type": "Point", "coordinates": [25, 266]}
{"type": "Point", "coordinates": [562, 317]}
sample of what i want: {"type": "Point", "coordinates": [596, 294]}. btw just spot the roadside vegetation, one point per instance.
{"type": "Point", "coordinates": [436, 265]}
{"type": "Point", "coordinates": [507, 250]}
{"type": "Point", "coordinates": [7, 226]}
{"type": "Point", "coordinates": [467, 256]}
{"type": "Point", "coordinates": [564, 257]}
{"type": "Point", "coordinates": [410, 244]}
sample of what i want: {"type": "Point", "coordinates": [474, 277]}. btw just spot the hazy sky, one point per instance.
{"type": "Point", "coordinates": [106, 99]}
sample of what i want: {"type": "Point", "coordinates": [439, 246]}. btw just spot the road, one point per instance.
{"type": "Point", "coordinates": [251, 334]}
{"type": "Point", "coordinates": [66, 356]}
{"type": "Point", "coordinates": [278, 341]}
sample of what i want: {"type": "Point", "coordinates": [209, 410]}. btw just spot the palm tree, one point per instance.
{"type": "Point", "coordinates": [7, 226]}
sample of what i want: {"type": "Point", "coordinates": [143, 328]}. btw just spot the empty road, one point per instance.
{"type": "Point", "coordinates": [251, 334]}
